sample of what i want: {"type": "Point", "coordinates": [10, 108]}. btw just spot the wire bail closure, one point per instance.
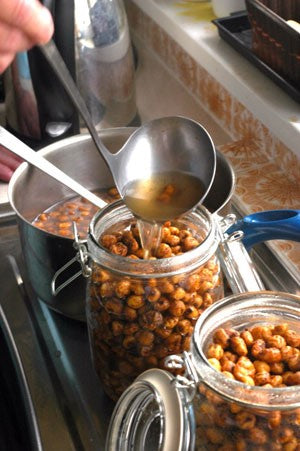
{"type": "Point", "coordinates": [190, 379]}
{"type": "Point", "coordinates": [81, 257]}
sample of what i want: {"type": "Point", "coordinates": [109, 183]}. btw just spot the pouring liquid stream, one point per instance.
{"type": "Point", "coordinates": [163, 196]}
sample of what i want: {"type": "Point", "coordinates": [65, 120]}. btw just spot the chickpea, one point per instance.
{"type": "Point", "coordinates": [257, 348]}
{"type": "Point", "coordinates": [245, 366]}
{"type": "Point", "coordinates": [189, 243]}
{"type": "Point", "coordinates": [276, 341]}
{"type": "Point", "coordinates": [153, 295]}
{"type": "Point", "coordinates": [164, 251]}
{"type": "Point", "coordinates": [145, 338]}
{"type": "Point", "coordinates": [177, 308]}
{"type": "Point", "coordinates": [172, 240]}
{"type": "Point", "coordinates": [163, 332]}
{"type": "Point", "coordinates": [207, 300]}
{"type": "Point", "coordinates": [261, 366]}
{"type": "Point", "coordinates": [258, 436]}
{"type": "Point", "coordinates": [162, 304]}
{"type": "Point", "coordinates": [170, 322]}
{"type": "Point", "coordinates": [239, 346]}
{"type": "Point", "coordinates": [151, 320]}
{"type": "Point", "coordinates": [135, 301]}
{"type": "Point", "coordinates": [119, 249]}
{"type": "Point", "coordinates": [274, 419]}
{"type": "Point", "coordinates": [186, 343]}
{"type": "Point", "coordinates": [192, 312]}
{"type": "Point", "coordinates": [245, 420]}
{"type": "Point", "coordinates": [130, 313]}
{"type": "Point", "coordinates": [222, 337]}
{"type": "Point", "coordinates": [196, 300]}
{"type": "Point", "coordinates": [173, 342]}
{"type": "Point", "coordinates": [294, 363]}
{"type": "Point", "coordinates": [108, 241]}
{"type": "Point", "coordinates": [271, 355]}
{"type": "Point", "coordinates": [215, 351]}
{"type": "Point", "coordinates": [193, 283]}
{"type": "Point", "coordinates": [292, 338]}
{"type": "Point", "coordinates": [114, 306]}
{"type": "Point", "coordinates": [285, 435]}
{"type": "Point", "coordinates": [122, 288]}
{"type": "Point", "coordinates": [128, 342]}
{"type": "Point", "coordinates": [130, 328]}
{"type": "Point", "coordinates": [117, 328]}
{"type": "Point", "coordinates": [106, 290]}
{"type": "Point", "coordinates": [214, 435]}
{"type": "Point", "coordinates": [261, 332]}
{"type": "Point", "coordinates": [227, 366]}
{"type": "Point", "coordinates": [262, 378]}
{"type": "Point", "coordinates": [275, 380]}
{"type": "Point", "coordinates": [215, 363]}
{"type": "Point", "coordinates": [166, 287]}
{"type": "Point", "coordinates": [247, 337]}
{"type": "Point", "coordinates": [137, 288]}
{"type": "Point", "coordinates": [125, 367]}
{"type": "Point", "coordinates": [184, 327]}
{"type": "Point", "coordinates": [277, 368]}
{"type": "Point", "coordinates": [280, 329]}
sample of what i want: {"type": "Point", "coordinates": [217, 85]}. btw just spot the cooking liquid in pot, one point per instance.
{"type": "Point", "coordinates": [155, 200]}
{"type": "Point", "coordinates": [59, 218]}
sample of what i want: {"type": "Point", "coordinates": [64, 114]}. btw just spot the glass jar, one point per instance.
{"type": "Point", "coordinates": [140, 311]}
{"type": "Point", "coordinates": [206, 409]}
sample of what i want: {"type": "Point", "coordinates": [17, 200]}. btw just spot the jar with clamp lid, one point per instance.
{"type": "Point", "coordinates": [240, 389]}
{"type": "Point", "coordinates": [140, 311]}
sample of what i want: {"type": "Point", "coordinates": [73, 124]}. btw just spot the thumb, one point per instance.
{"type": "Point", "coordinates": [30, 16]}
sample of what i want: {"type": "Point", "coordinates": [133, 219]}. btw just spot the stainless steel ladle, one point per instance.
{"type": "Point", "coordinates": [169, 144]}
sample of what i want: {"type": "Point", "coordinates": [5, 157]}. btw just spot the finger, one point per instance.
{"type": "Point", "coordinates": [4, 151]}
{"type": "Point", "coordinates": [30, 16]}
{"type": "Point", "coordinates": [13, 40]}
{"type": "Point", "coordinates": [8, 160]}
{"type": "Point", "coordinates": [5, 173]}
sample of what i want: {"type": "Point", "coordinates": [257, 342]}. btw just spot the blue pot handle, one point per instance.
{"type": "Point", "coordinates": [268, 225]}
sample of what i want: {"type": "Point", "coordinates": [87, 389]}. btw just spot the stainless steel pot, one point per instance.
{"type": "Point", "coordinates": [31, 192]}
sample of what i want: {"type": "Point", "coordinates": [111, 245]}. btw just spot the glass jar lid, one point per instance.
{"type": "Point", "coordinates": [154, 413]}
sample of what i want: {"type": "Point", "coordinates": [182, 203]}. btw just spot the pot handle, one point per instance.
{"type": "Point", "coordinates": [268, 225]}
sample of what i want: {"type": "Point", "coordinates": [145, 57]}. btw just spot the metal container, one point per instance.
{"type": "Point", "coordinates": [31, 192]}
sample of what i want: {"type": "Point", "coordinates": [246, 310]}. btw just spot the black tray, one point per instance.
{"type": "Point", "coordinates": [236, 31]}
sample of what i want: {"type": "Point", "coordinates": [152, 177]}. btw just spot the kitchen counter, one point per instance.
{"type": "Point", "coordinates": [193, 31]}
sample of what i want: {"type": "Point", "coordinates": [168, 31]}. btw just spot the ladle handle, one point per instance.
{"type": "Point", "coordinates": [56, 62]}
{"type": "Point", "coordinates": [26, 153]}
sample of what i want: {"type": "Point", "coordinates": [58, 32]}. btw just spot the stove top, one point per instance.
{"type": "Point", "coordinates": [62, 399]}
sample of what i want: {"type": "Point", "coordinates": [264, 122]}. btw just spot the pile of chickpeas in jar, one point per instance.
{"type": "Point", "coordinates": [135, 321]}
{"type": "Point", "coordinates": [266, 356]}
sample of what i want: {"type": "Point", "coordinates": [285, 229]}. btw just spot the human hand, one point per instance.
{"type": "Point", "coordinates": [23, 24]}
{"type": "Point", "coordinates": [8, 164]}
